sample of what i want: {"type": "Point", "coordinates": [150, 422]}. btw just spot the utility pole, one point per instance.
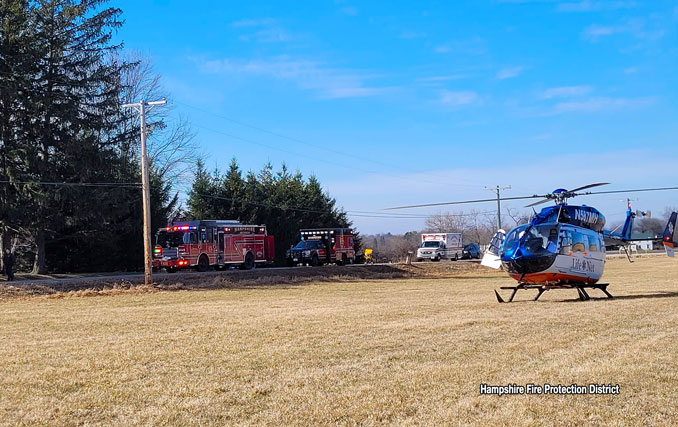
{"type": "Point", "coordinates": [143, 107]}
{"type": "Point", "coordinates": [498, 190]}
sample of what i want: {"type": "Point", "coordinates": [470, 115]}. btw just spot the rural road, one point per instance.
{"type": "Point", "coordinates": [163, 275]}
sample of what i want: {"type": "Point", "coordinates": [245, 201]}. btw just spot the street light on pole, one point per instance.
{"type": "Point", "coordinates": [142, 108]}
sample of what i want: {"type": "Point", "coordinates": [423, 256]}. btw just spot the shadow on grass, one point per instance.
{"type": "Point", "coordinates": [661, 294]}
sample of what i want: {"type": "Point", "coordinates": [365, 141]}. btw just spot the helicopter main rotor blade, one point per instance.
{"type": "Point", "coordinates": [639, 190]}
{"type": "Point", "coordinates": [546, 197]}
{"type": "Point", "coordinates": [461, 202]}
{"type": "Point", "coordinates": [537, 203]}
{"type": "Point", "coordinates": [589, 186]}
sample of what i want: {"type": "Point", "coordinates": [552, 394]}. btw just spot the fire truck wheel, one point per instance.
{"type": "Point", "coordinates": [249, 261]}
{"type": "Point", "coordinates": [172, 269]}
{"type": "Point", "coordinates": [203, 263]}
{"type": "Point", "coordinates": [314, 261]}
{"type": "Point", "coordinates": [344, 260]}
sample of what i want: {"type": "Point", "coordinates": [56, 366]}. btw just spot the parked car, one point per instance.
{"type": "Point", "coordinates": [471, 251]}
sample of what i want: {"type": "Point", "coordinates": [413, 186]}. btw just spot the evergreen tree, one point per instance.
{"type": "Point", "coordinates": [61, 87]}
{"type": "Point", "coordinates": [17, 64]}
{"type": "Point", "coordinates": [75, 92]}
{"type": "Point", "coordinates": [234, 189]}
{"type": "Point", "coordinates": [199, 205]}
{"type": "Point", "coordinates": [283, 201]}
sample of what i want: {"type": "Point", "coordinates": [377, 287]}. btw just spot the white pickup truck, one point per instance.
{"type": "Point", "coordinates": [437, 246]}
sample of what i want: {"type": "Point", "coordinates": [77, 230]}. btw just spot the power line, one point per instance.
{"type": "Point", "coordinates": [323, 160]}
{"type": "Point", "coordinates": [76, 184]}
{"type": "Point", "coordinates": [282, 149]}
{"type": "Point", "coordinates": [354, 213]}
{"type": "Point", "coordinates": [316, 146]}
{"type": "Point", "coordinates": [279, 135]}
{"type": "Point", "coordinates": [464, 202]}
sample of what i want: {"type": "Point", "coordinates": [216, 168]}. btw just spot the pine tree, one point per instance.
{"type": "Point", "coordinates": [16, 67]}
{"type": "Point", "coordinates": [233, 191]}
{"type": "Point", "coordinates": [199, 204]}
{"type": "Point", "coordinates": [283, 201]}
{"type": "Point", "coordinates": [75, 92]}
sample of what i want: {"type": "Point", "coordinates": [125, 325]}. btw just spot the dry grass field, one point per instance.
{"type": "Point", "coordinates": [403, 351]}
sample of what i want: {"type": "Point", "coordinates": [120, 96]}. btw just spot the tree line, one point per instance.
{"type": "Point", "coordinates": [284, 201]}
{"type": "Point", "coordinates": [69, 154]}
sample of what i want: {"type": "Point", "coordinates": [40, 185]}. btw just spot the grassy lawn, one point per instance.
{"type": "Point", "coordinates": [407, 351]}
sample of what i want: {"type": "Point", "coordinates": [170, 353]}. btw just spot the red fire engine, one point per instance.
{"type": "Point", "coordinates": [212, 243]}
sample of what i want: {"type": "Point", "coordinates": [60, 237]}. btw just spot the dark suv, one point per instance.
{"type": "Point", "coordinates": [311, 252]}
{"type": "Point", "coordinates": [471, 251]}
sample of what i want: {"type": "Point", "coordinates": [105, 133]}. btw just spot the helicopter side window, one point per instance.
{"type": "Point", "coordinates": [534, 242]}
{"type": "Point", "coordinates": [565, 242]}
{"type": "Point", "coordinates": [552, 243]}
{"type": "Point", "coordinates": [593, 244]}
{"type": "Point", "coordinates": [579, 242]}
{"type": "Point", "coordinates": [541, 238]}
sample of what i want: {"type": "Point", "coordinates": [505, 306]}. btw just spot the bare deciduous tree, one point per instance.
{"type": "Point", "coordinates": [171, 144]}
{"type": "Point", "coordinates": [475, 226]}
{"type": "Point", "coordinates": [667, 212]}
{"type": "Point", "coordinates": [517, 217]}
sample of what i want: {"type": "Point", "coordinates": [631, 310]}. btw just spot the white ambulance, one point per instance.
{"type": "Point", "coordinates": [437, 246]}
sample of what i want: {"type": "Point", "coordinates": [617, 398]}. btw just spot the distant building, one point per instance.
{"type": "Point", "coordinates": [646, 245]}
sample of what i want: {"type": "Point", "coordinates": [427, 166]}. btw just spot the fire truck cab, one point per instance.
{"type": "Point", "coordinates": [202, 244]}
{"type": "Point", "coordinates": [323, 246]}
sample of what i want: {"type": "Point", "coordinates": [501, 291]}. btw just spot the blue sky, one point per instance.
{"type": "Point", "coordinates": [429, 101]}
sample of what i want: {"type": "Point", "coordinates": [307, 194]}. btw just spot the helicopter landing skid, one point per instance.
{"type": "Point", "coordinates": [580, 287]}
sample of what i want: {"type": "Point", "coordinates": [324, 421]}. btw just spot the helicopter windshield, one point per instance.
{"type": "Point", "coordinates": [535, 239]}
{"type": "Point", "coordinates": [514, 237]}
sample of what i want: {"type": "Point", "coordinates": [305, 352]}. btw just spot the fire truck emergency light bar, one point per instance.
{"type": "Point", "coordinates": [180, 228]}
{"type": "Point", "coordinates": [310, 233]}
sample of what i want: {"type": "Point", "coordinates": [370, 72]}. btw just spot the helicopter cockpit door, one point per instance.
{"type": "Point", "coordinates": [492, 258]}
